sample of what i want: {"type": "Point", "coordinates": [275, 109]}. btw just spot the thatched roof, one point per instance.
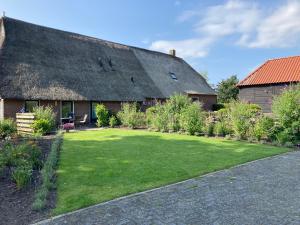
{"type": "Point", "coordinates": [43, 63]}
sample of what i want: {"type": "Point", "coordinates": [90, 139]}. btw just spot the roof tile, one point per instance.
{"type": "Point", "coordinates": [281, 70]}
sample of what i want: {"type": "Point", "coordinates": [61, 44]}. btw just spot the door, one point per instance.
{"type": "Point", "coordinates": [93, 111]}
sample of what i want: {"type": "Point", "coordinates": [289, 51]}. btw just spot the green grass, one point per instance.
{"type": "Point", "coordinates": [96, 166]}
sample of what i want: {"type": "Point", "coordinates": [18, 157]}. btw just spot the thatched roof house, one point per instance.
{"type": "Point", "coordinates": [42, 65]}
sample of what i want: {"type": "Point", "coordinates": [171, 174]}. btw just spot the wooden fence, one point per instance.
{"type": "Point", "coordinates": [24, 122]}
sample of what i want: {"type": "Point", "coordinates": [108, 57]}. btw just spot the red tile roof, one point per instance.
{"type": "Point", "coordinates": [281, 70]}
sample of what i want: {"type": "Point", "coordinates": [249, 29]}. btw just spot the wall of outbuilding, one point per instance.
{"type": "Point", "coordinates": [261, 95]}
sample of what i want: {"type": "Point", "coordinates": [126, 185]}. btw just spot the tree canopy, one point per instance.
{"type": "Point", "coordinates": [227, 89]}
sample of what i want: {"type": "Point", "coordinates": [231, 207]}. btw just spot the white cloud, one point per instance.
{"type": "Point", "coordinates": [280, 29]}
{"type": "Point", "coordinates": [253, 27]}
{"type": "Point", "coordinates": [184, 48]}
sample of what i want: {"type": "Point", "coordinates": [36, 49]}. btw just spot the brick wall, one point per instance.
{"type": "Point", "coordinates": [81, 108]}
{"type": "Point", "coordinates": [112, 106]}
{"type": "Point", "coordinates": [207, 100]}
{"type": "Point", "coordinates": [11, 107]}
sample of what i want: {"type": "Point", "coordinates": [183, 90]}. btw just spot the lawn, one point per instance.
{"type": "Point", "coordinates": [96, 166]}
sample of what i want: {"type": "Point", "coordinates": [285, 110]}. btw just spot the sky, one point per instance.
{"type": "Point", "coordinates": [217, 37]}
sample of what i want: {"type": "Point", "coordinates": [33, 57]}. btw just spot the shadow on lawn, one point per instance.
{"type": "Point", "coordinates": [124, 149]}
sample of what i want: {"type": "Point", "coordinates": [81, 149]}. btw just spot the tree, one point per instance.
{"type": "Point", "coordinates": [227, 89]}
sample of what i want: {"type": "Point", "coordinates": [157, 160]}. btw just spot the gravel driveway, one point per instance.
{"type": "Point", "coordinates": [262, 192]}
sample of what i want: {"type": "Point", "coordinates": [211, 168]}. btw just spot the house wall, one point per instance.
{"type": "Point", "coordinates": [11, 107]}
{"type": "Point", "coordinates": [81, 108]}
{"type": "Point", "coordinates": [261, 95]}
{"type": "Point", "coordinates": [1, 109]}
{"type": "Point", "coordinates": [207, 100]}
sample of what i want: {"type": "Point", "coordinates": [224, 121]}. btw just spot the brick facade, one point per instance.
{"type": "Point", "coordinates": [207, 100]}
{"type": "Point", "coordinates": [12, 106]}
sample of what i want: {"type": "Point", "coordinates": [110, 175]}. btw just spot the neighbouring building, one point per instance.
{"type": "Point", "coordinates": [73, 72]}
{"type": "Point", "coordinates": [269, 80]}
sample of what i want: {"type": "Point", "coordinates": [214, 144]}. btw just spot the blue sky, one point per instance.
{"type": "Point", "coordinates": [219, 37]}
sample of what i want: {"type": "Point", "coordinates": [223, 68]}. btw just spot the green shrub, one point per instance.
{"type": "Point", "coordinates": [130, 116]}
{"type": "Point", "coordinates": [243, 116]}
{"type": "Point", "coordinates": [22, 174]}
{"type": "Point", "coordinates": [263, 128]}
{"type": "Point", "coordinates": [28, 152]}
{"type": "Point", "coordinates": [47, 174]}
{"type": "Point", "coordinates": [286, 109]}
{"type": "Point", "coordinates": [7, 128]}
{"type": "Point", "coordinates": [44, 121]}
{"type": "Point", "coordinates": [113, 121]}
{"type": "Point", "coordinates": [42, 126]}
{"type": "Point", "coordinates": [173, 108]}
{"type": "Point", "coordinates": [209, 125]}
{"type": "Point", "coordinates": [221, 129]}
{"type": "Point", "coordinates": [192, 118]}
{"type": "Point", "coordinates": [102, 115]}
{"type": "Point", "coordinates": [157, 118]}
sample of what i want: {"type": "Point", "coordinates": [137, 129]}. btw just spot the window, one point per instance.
{"type": "Point", "coordinates": [66, 109]}
{"type": "Point", "coordinates": [195, 99]}
{"type": "Point", "coordinates": [173, 76]}
{"type": "Point", "coordinates": [93, 111]}
{"type": "Point", "coordinates": [30, 104]}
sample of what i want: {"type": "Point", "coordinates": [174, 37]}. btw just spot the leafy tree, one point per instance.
{"type": "Point", "coordinates": [227, 89]}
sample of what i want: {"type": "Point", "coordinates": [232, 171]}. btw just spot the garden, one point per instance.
{"type": "Point", "coordinates": [135, 150]}
{"type": "Point", "coordinates": [27, 169]}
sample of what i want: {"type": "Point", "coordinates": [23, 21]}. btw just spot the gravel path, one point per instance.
{"type": "Point", "coordinates": [262, 192]}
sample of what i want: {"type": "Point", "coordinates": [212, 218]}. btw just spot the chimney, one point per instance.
{"type": "Point", "coordinates": [172, 52]}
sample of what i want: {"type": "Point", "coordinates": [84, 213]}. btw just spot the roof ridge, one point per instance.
{"type": "Point", "coordinates": [90, 37]}
{"type": "Point", "coordinates": [284, 57]}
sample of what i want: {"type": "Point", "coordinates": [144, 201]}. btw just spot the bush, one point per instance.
{"type": "Point", "coordinates": [44, 120]}
{"type": "Point", "coordinates": [157, 118]}
{"type": "Point", "coordinates": [209, 125]}
{"type": "Point", "coordinates": [28, 152]}
{"type": "Point", "coordinates": [192, 118]}
{"type": "Point", "coordinates": [42, 126]}
{"type": "Point", "coordinates": [173, 108]}
{"type": "Point", "coordinates": [22, 174]}
{"type": "Point", "coordinates": [263, 128]}
{"type": "Point", "coordinates": [221, 129]}
{"type": "Point", "coordinates": [131, 117]}
{"type": "Point", "coordinates": [170, 117]}
{"type": "Point", "coordinates": [113, 121]}
{"type": "Point", "coordinates": [7, 128]}
{"type": "Point", "coordinates": [47, 174]}
{"type": "Point", "coordinates": [286, 108]}
{"type": "Point", "coordinates": [243, 116]}
{"type": "Point", "coordinates": [102, 115]}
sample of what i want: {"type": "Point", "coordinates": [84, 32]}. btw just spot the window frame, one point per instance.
{"type": "Point", "coordinates": [26, 107]}
{"type": "Point", "coordinates": [72, 107]}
